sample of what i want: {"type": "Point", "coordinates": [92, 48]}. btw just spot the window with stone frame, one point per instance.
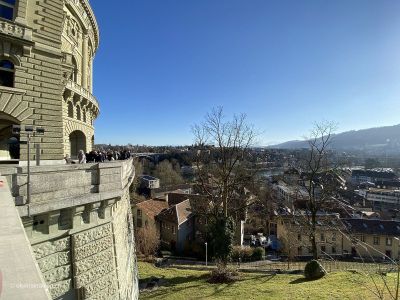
{"type": "Point", "coordinates": [70, 110]}
{"type": "Point", "coordinates": [388, 241]}
{"type": "Point", "coordinates": [7, 8]}
{"type": "Point", "coordinates": [7, 72]}
{"type": "Point", "coordinates": [78, 113]}
{"type": "Point", "coordinates": [376, 240]}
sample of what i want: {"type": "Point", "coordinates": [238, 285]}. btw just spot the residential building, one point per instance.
{"type": "Point", "coordinates": [149, 182]}
{"type": "Point", "coordinates": [377, 176]}
{"type": "Point", "coordinates": [293, 232]}
{"type": "Point", "coordinates": [176, 226]}
{"type": "Point", "coordinates": [383, 199]}
{"type": "Point", "coordinates": [372, 239]}
{"type": "Point", "coordinates": [290, 195]}
{"type": "Point", "coordinates": [144, 213]}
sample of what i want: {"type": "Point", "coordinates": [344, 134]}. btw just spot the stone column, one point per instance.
{"type": "Point", "coordinates": [20, 14]}
{"type": "Point", "coordinates": [85, 54]}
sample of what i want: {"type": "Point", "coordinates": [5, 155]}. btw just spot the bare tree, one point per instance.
{"type": "Point", "coordinates": [147, 240]}
{"type": "Point", "coordinates": [319, 176]}
{"type": "Point", "coordinates": [221, 157]}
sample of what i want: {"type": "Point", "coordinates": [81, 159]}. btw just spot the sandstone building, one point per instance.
{"type": "Point", "coordinates": [70, 234]}
{"type": "Point", "coordinates": [46, 65]}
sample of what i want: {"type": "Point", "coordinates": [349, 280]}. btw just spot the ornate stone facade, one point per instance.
{"type": "Point", "coordinates": [47, 49]}
{"type": "Point", "coordinates": [78, 217]}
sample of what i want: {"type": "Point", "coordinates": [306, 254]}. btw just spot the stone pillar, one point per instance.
{"type": "Point", "coordinates": [77, 216]}
{"type": "Point", "coordinates": [54, 217]}
{"type": "Point", "coordinates": [85, 59]}
{"type": "Point", "coordinates": [20, 14]}
{"type": "Point", "coordinates": [91, 75]}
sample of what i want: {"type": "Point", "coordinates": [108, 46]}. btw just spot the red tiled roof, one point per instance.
{"type": "Point", "coordinates": [178, 213]}
{"type": "Point", "coordinates": [151, 208]}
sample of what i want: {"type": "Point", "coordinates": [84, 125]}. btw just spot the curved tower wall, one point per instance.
{"type": "Point", "coordinates": [51, 44]}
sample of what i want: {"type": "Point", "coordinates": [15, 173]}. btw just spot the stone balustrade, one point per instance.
{"type": "Point", "coordinates": [79, 90]}
{"type": "Point", "coordinates": [61, 186]}
{"type": "Point", "coordinates": [15, 30]}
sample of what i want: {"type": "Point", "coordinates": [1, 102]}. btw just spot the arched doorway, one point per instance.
{"type": "Point", "coordinates": [9, 143]}
{"type": "Point", "coordinates": [77, 141]}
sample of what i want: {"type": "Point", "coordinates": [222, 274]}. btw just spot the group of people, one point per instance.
{"type": "Point", "coordinates": [96, 156]}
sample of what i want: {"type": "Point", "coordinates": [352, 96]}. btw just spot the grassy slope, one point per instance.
{"type": "Point", "coordinates": [189, 284]}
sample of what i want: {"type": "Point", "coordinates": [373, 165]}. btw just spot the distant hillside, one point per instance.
{"type": "Point", "coordinates": [372, 140]}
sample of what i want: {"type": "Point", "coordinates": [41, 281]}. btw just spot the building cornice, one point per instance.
{"type": "Point", "coordinates": [89, 16]}
{"type": "Point", "coordinates": [93, 21]}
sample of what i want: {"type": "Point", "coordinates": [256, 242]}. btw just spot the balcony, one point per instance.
{"type": "Point", "coordinates": [91, 100]}
{"type": "Point", "coordinates": [15, 30]}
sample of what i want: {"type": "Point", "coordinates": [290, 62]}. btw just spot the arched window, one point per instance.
{"type": "Point", "coordinates": [78, 113]}
{"type": "Point", "coordinates": [74, 75]}
{"type": "Point", "coordinates": [7, 9]}
{"type": "Point", "coordinates": [6, 72]}
{"type": "Point", "coordinates": [70, 110]}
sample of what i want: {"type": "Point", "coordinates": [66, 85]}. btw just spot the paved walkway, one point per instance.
{"type": "Point", "coordinates": [20, 277]}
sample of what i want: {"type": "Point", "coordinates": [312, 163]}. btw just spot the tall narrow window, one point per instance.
{"type": "Point", "coordinates": [78, 113]}
{"type": "Point", "coordinates": [6, 72]}
{"type": "Point", "coordinates": [7, 9]}
{"type": "Point", "coordinates": [70, 110]}
{"type": "Point", "coordinates": [74, 75]}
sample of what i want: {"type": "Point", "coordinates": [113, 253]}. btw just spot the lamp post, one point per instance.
{"type": "Point", "coordinates": [398, 272]}
{"type": "Point", "coordinates": [206, 252]}
{"type": "Point", "coordinates": [29, 131]}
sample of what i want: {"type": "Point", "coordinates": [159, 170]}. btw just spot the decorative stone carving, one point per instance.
{"type": "Point", "coordinates": [15, 30]}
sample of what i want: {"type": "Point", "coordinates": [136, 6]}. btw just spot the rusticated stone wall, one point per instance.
{"type": "Point", "coordinates": [125, 249]}
{"type": "Point", "coordinates": [94, 264]}
{"type": "Point", "coordinates": [54, 260]}
{"type": "Point", "coordinates": [81, 232]}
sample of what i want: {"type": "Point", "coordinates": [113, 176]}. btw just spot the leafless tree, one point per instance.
{"type": "Point", "coordinates": [147, 240]}
{"type": "Point", "coordinates": [221, 173]}
{"type": "Point", "coordinates": [319, 176]}
{"type": "Point", "coordinates": [223, 146]}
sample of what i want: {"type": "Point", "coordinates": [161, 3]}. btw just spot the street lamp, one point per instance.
{"type": "Point", "coordinates": [206, 252]}
{"type": "Point", "coordinates": [30, 131]}
{"type": "Point", "coordinates": [398, 272]}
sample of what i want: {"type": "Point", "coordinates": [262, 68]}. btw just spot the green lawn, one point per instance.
{"type": "Point", "coordinates": [190, 284]}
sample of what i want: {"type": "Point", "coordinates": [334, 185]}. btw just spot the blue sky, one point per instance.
{"type": "Point", "coordinates": [162, 65]}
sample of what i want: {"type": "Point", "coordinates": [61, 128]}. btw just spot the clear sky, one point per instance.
{"type": "Point", "coordinates": [162, 65]}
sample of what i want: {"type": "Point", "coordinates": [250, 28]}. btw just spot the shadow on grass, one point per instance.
{"type": "Point", "coordinates": [175, 285]}
{"type": "Point", "coordinates": [302, 280]}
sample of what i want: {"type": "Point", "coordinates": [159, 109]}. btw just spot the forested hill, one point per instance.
{"type": "Point", "coordinates": [373, 139]}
